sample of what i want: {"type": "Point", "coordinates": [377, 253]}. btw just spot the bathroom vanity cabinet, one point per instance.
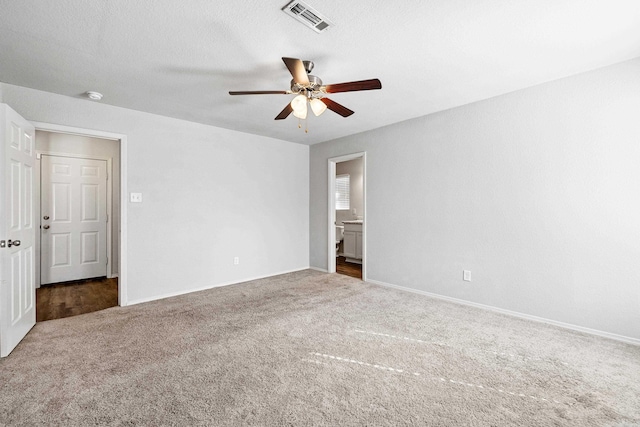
{"type": "Point", "coordinates": [353, 241]}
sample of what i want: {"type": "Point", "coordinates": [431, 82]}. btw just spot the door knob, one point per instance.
{"type": "Point", "coordinates": [46, 227]}
{"type": "Point", "coordinates": [13, 243]}
{"type": "Point", "coordinates": [45, 217]}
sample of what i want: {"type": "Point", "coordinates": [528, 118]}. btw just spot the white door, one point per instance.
{"type": "Point", "coordinates": [73, 223]}
{"type": "Point", "coordinates": [17, 231]}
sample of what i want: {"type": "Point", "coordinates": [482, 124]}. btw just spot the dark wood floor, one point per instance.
{"type": "Point", "coordinates": [72, 298]}
{"type": "Point", "coordinates": [348, 268]}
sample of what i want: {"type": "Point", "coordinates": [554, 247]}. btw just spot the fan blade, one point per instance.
{"type": "Point", "coordinates": [296, 68]}
{"type": "Point", "coordinates": [354, 86]}
{"type": "Point", "coordinates": [284, 113]}
{"type": "Point", "coordinates": [337, 108]}
{"type": "Point", "coordinates": [259, 92]}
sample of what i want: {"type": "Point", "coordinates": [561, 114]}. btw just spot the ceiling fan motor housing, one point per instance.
{"type": "Point", "coordinates": [313, 88]}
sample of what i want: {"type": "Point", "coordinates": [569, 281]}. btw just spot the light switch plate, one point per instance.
{"type": "Point", "coordinates": [136, 197]}
{"type": "Point", "coordinates": [466, 275]}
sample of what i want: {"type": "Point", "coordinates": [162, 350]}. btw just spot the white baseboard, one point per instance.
{"type": "Point", "coordinates": [628, 340]}
{"type": "Point", "coordinates": [204, 288]}
{"type": "Point", "coordinates": [323, 270]}
{"type": "Point", "coordinates": [112, 276]}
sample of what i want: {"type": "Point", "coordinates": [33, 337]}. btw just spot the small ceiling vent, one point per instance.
{"type": "Point", "coordinates": [308, 16]}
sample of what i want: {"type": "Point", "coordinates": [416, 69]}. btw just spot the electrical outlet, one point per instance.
{"type": "Point", "coordinates": [466, 275]}
{"type": "Point", "coordinates": [236, 260]}
{"type": "Point", "coordinates": [136, 197]}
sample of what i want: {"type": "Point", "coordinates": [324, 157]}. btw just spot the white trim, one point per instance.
{"type": "Point", "coordinates": [122, 264]}
{"type": "Point", "coordinates": [322, 270]}
{"type": "Point", "coordinates": [109, 242]}
{"type": "Point", "coordinates": [51, 127]}
{"type": "Point", "coordinates": [204, 288]}
{"type": "Point", "coordinates": [596, 332]}
{"type": "Point", "coordinates": [331, 223]}
{"type": "Point", "coordinates": [331, 227]}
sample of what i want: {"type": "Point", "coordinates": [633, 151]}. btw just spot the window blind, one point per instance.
{"type": "Point", "coordinates": [342, 192]}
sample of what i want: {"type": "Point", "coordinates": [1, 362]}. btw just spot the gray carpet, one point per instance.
{"type": "Point", "coordinates": [309, 348]}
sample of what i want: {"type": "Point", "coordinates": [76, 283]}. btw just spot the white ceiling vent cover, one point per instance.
{"type": "Point", "coordinates": [308, 16]}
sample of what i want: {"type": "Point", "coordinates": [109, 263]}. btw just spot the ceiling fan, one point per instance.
{"type": "Point", "coordinates": [310, 90]}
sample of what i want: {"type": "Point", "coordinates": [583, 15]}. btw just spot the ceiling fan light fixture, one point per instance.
{"type": "Point", "coordinates": [318, 107]}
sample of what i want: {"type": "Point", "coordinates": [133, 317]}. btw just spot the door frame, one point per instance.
{"type": "Point", "coordinates": [122, 241]}
{"type": "Point", "coordinates": [331, 223]}
{"type": "Point", "coordinates": [38, 206]}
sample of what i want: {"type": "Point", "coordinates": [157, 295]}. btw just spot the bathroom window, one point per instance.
{"type": "Point", "coordinates": [342, 192]}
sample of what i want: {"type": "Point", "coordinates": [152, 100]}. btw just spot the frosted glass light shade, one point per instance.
{"type": "Point", "coordinates": [301, 114]}
{"type": "Point", "coordinates": [318, 107]}
{"type": "Point", "coordinates": [299, 104]}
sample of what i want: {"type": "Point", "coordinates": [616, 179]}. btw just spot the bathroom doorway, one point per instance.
{"type": "Point", "coordinates": [347, 220]}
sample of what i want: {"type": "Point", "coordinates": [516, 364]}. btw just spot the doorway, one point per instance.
{"type": "Point", "coordinates": [346, 226]}
{"type": "Point", "coordinates": [78, 213]}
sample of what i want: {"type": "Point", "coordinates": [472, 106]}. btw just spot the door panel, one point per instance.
{"type": "Point", "coordinates": [89, 202]}
{"type": "Point", "coordinates": [27, 208]}
{"type": "Point", "coordinates": [27, 297]}
{"type": "Point", "coordinates": [14, 186]}
{"type": "Point", "coordinates": [61, 249]}
{"type": "Point", "coordinates": [89, 251]}
{"type": "Point", "coordinates": [74, 218]}
{"type": "Point", "coordinates": [61, 202]}
{"type": "Point", "coordinates": [17, 269]}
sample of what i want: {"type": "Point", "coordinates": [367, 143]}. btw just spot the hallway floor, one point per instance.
{"type": "Point", "coordinates": [67, 299]}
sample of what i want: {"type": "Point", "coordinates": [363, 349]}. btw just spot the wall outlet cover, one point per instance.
{"type": "Point", "coordinates": [466, 275]}
{"type": "Point", "coordinates": [136, 197]}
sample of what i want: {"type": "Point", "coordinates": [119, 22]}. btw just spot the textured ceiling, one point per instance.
{"type": "Point", "coordinates": [180, 58]}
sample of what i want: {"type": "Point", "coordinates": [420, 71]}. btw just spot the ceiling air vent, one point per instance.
{"type": "Point", "coordinates": [308, 16]}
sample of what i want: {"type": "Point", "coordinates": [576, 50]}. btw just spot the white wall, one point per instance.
{"type": "Point", "coordinates": [537, 192]}
{"type": "Point", "coordinates": [61, 143]}
{"type": "Point", "coordinates": [209, 194]}
{"type": "Point", "coordinates": [356, 197]}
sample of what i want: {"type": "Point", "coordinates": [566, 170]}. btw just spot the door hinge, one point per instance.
{"type": "Point", "coordinates": [107, 261]}
{"type": "Point", "coordinates": [3, 244]}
